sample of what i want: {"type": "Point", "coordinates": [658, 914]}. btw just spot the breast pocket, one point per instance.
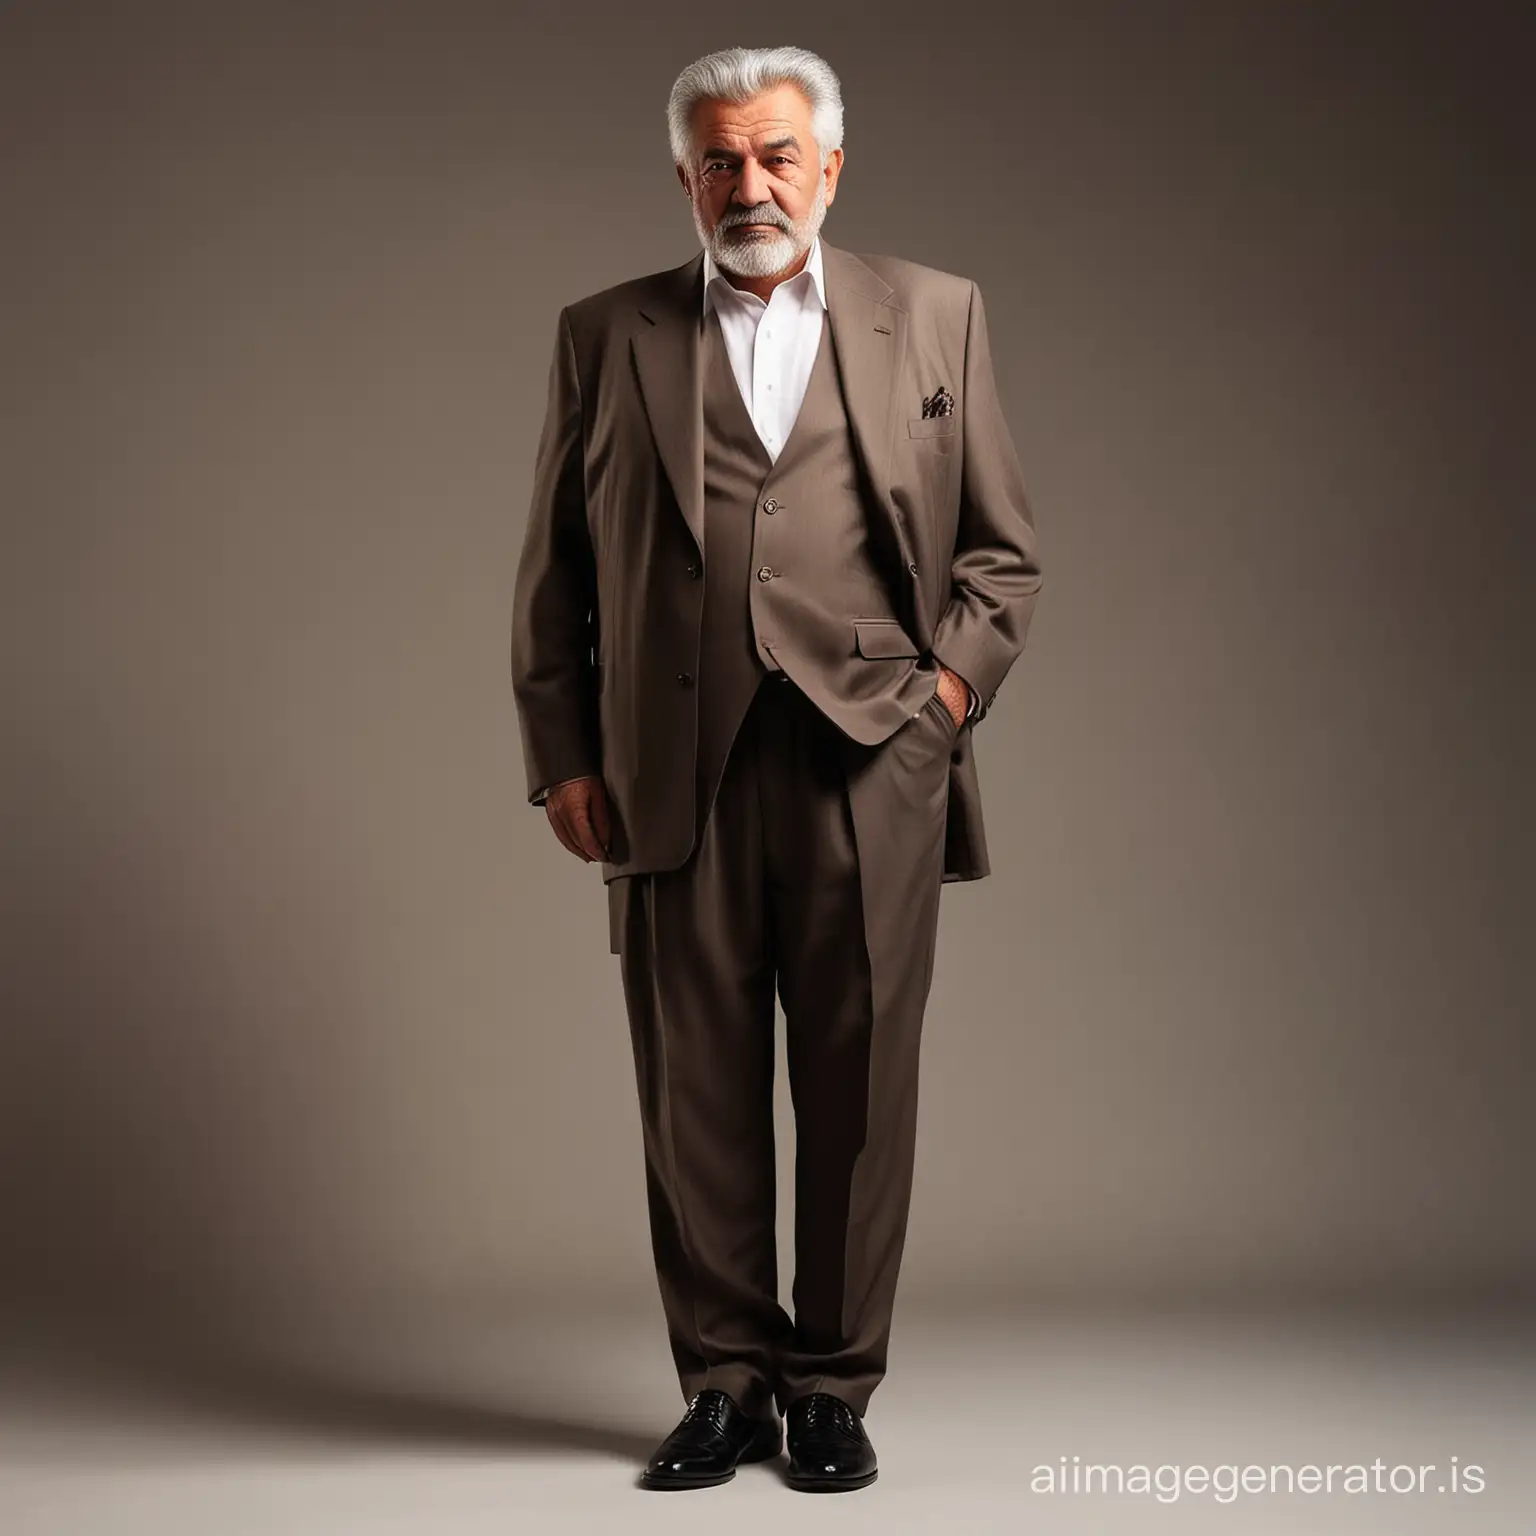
{"type": "Point", "coordinates": [931, 426]}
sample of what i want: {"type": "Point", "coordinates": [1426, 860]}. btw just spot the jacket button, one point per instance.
{"type": "Point", "coordinates": [770, 505]}
{"type": "Point", "coordinates": [685, 678]}
{"type": "Point", "coordinates": [693, 569]}
{"type": "Point", "coordinates": [765, 573]}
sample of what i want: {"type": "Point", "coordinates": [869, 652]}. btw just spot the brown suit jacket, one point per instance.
{"type": "Point", "coordinates": [604, 615]}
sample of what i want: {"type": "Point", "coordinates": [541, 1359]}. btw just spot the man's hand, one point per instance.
{"type": "Point", "coordinates": [955, 693]}
{"type": "Point", "coordinates": [578, 811]}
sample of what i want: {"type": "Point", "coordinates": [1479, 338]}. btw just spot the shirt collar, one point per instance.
{"type": "Point", "coordinates": [813, 265]}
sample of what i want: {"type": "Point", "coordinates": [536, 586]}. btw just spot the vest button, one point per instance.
{"type": "Point", "coordinates": [693, 569]}
{"type": "Point", "coordinates": [765, 573]}
{"type": "Point", "coordinates": [685, 678]}
{"type": "Point", "coordinates": [770, 505]}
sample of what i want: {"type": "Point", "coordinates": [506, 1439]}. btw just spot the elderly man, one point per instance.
{"type": "Point", "coordinates": [778, 561]}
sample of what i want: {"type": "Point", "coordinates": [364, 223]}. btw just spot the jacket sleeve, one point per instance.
{"type": "Point", "coordinates": [995, 572]}
{"type": "Point", "coordinates": [554, 607]}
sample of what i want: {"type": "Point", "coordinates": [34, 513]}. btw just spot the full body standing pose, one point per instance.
{"type": "Point", "coordinates": [778, 561]}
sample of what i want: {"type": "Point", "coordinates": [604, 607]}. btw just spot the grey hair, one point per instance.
{"type": "Point", "coordinates": [739, 74]}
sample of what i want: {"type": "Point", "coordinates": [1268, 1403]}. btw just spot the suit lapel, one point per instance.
{"type": "Point", "coordinates": [869, 338]}
{"type": "Point", "coordinates": [666, 353]}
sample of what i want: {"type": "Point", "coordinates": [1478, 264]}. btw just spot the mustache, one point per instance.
{"type": "Point", "coordinates": [755, 216]}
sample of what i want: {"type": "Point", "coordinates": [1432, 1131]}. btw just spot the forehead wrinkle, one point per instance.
{"type": "Point", "coordinates": [758, 127]}
{"type": "Point", "coordinates": [764, 125]}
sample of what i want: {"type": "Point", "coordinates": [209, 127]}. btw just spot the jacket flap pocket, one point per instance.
{"type": "Point", "coordinates": [930, 426]}
{"type": "Point", "coordinates": [882, 637]}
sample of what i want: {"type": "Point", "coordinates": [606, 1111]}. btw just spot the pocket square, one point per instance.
{"type": "Point", "coordinates": [940, 403]}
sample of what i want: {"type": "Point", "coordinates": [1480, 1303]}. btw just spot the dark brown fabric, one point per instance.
{"type": "Point", "coordinates": [747, 650]}
{"type": "Point", "coordinates": [800, 517]}
{"type": "Point", "coordinates": [818, 874]}
{"type": "Point", "coordinates": [608, 611]}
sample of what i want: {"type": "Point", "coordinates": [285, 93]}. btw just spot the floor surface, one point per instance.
{"type": "Point", "coordinates": [542, 1426]}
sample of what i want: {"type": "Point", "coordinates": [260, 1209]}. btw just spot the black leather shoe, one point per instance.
{"type": "Point", "coordinates": [828, 1449]}
{"type": "Point", "coordinates": [711, 1437]}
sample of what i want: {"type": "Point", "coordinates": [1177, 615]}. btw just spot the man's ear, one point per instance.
{"type": "Point", "coordinates": [835, 168]}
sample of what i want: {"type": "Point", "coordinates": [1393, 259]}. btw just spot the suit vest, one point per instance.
{"type": "Point", "coordinates": [789, 562]}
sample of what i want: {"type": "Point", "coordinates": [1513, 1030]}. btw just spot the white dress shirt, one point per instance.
{"type": "Point", "coordinates": [772, 347]}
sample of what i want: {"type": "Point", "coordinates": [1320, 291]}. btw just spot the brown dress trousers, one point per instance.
{"type": "Point", "coordinates": [817, 876]}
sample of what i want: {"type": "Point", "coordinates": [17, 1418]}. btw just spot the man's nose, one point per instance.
{"type": "Point", "coordinates": [752, 189]}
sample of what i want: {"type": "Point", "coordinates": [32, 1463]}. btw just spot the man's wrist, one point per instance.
{"type": "Point", "coordinates": [958, 689]}
{"type": "Point", "coordinates": [543, 792]}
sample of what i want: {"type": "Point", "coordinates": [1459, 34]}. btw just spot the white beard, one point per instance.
{"type": "Point", "coordinates": [758, 254]}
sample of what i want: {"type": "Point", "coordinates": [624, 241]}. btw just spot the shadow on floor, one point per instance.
{"type": "Point", "coordinates": [150, 1376]}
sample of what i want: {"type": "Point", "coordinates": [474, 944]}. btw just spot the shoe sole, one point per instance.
{"type": "Point", "coordinates": [760, 1452]}
{"type": "Point", "coordinates": [676, 1485]}
{"type": "Point", "coordinates": [802, 1484]}
{"type": "Point", "coordinates": [831, 1484]}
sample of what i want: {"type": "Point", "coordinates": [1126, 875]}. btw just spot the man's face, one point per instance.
{"type": "Point", "coordinates": [758, 192]}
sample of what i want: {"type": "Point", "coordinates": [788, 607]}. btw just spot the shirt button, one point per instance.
{"type": "Point", "coordinates": [764, 573]}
